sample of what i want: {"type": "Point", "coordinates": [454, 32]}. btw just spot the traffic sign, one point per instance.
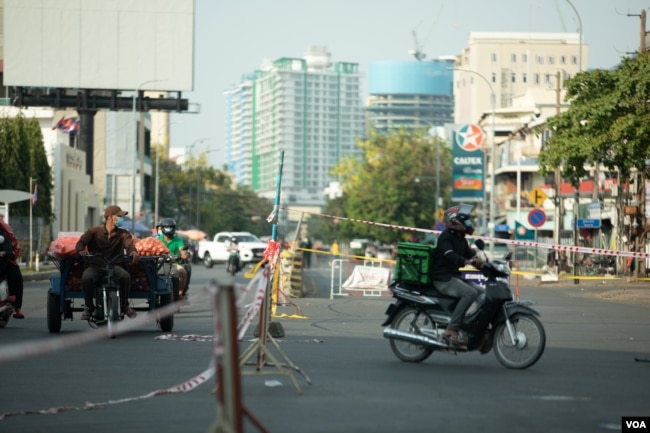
{"type": "Point", "coordinates": [537, 196]}
{"type": "Point", "coordinates": [584, 223]}
{"type": "Point", "coordinates": [536, 217]}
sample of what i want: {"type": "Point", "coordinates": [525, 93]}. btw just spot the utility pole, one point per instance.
{"type": "Point", "coordinates": [558, 179]}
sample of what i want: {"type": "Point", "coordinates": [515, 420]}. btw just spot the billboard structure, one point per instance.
{"type": "Point", "coordinates": [99, 44]}
{"type": "Point", "coordinates": [84, 54]}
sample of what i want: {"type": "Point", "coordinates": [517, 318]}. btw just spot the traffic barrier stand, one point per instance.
{"type": "Point", "coordinates": [264, 356]}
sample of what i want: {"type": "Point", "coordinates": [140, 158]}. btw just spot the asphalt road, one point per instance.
{"type": "Point", "coordinates": [586, 380]}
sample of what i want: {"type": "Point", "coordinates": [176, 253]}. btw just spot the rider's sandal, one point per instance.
{"type": "Point", "coordinates": [18, 315]}
{"type": "Point", "coordinates": [130, 312]}
{"type": "Point", "coordinates": [455, 338]}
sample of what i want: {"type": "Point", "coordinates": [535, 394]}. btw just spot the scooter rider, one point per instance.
{"type": "Point", "coordinates": [452, 253]}
{"type": "Point", "coordinates": [233, 249]}
{"type": "Point", "coordinates": [176, 245]}
{"type": "Point", "coordinates": [110, 241]}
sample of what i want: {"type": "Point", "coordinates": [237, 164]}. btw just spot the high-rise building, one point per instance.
{"type": "Point", "coordinates": [410, 94]}
{"type": "Point", "coordinates": [310, 108]}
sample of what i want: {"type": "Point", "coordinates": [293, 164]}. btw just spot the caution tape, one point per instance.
{"type": "Point", "coordinates": [556, 247]}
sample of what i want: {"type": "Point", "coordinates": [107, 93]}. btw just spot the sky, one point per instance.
{"type": "Point", "coordinates": [233, 38]}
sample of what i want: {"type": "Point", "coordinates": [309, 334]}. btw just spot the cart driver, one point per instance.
{"type": "Point", "coordinates": [110, 241]}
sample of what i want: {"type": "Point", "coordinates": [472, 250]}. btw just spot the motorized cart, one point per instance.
{"type": "Point", "coordinates": [146, 283]}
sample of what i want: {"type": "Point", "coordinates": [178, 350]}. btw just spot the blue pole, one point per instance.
{"type": "Point", "coordinates": [276, 207]}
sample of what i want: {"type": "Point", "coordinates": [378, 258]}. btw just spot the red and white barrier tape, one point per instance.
{"type": "Point", "coordinates": [566, 248]}
{"type": "Point", "coordinates": [186, 386]}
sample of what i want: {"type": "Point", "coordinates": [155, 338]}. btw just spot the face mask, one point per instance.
{"type": "Point", "coordinates": [119, 222]}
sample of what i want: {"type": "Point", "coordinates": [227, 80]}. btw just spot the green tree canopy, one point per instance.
{"type": "Point", "coordinates": [381, 186]}
{"type": "Point", "coordinates": [221, 207]}
{"type": "Point", "coordinates": [608, 122]}
{"type": "Point", "coordinates": [23, 157]}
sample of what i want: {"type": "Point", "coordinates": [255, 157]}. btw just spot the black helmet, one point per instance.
{"type": "Point", "coordinates": [458, 218]}
{"type": "Point", "coordinates": [168, 226]}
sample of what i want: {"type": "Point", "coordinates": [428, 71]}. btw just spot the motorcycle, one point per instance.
{"type": "Point", "coordinates": [417, 320]}
{"type": "Point", "coordinates": [6, 303]}
{"type": "Point", "coordinates": [107, 297]}
{"type": "Point", "coordinates": [232, 266]}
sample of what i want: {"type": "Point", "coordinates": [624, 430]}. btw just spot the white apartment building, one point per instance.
{"type": "Point", "coordinates": [310, 108]}
{"type": "Point", "coordinates": [510, 81]}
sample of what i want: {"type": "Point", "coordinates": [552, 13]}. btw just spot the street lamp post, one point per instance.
{"type": "Point", "coordinates": [576, 205]}
{"type": "Point", "coordinates": [190, 149]}
{"type": "Point", "coordinates": [434, 133]}
{"type": "Point", "coordinates": [490, 226]}
{"type": "Point", "coordinates": [135, 145]}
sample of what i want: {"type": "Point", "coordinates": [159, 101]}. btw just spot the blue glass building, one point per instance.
{"type": "Point", "coordinates": [410, 94]}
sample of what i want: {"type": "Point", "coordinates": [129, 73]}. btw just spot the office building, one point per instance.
{"type": "Point", "coordinates": [410, 94]}
{"type": "Point", "coordinates": [308, 107]}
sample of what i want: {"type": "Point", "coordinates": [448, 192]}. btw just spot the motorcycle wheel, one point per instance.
{"type": "Point", "coordinates": [409, 352]}
{"type": "Point", "coordinates": [530, 342]}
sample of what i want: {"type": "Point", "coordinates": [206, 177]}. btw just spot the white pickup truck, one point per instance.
{"type": "Point", "coordinates": [251, 248]}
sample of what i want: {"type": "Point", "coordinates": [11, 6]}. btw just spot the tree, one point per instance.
{"type": "Point", "coordinates": [23, 157]}
{"type": "Point", "coordinates": [381, 187]}
{"type": "Point", "coordinates": [221, 207]}
{"type": "Point", "coordinates": [608, 122]}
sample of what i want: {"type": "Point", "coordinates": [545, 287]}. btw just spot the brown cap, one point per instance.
{"type": "Point", "coordinates": [114, 210]}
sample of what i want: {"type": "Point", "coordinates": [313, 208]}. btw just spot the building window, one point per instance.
{"type": "Point", "coordinates": [524, 58]}
{"type": "Point", "coordinates": [540, 60]}
{"type": "Point", "coordinates": [563, 60]}
{"type": "Point", "coordinates": [536, 78]}
{"type": "Point", "coordinates": [524, 78]}
{"type": "Point", "coordinates": [493, 57]}
{"type": "Point", "coordinates": [551, 60]}
{"type": "Point", "coordinates": [513, 58]}
{"type": "Point", "coordinates": [494, 77]}
{"type": "Point", "coordinates": [513, 78]}
{"type": "Point", "coordinates": [574, 60]}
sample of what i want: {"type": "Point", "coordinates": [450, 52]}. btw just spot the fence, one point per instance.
{"type": "Point", "coordinates": [367, 278]}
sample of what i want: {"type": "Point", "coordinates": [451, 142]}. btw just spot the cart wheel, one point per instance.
{"type": "Point", "coordinates": [53, 313]}
{"type": "Point", "coordinates": [166, 323]}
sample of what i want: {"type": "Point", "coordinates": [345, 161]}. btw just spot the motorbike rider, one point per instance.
{"type": "Point", "coordinates": [452, 253]}
{"type": "Point", "coordinates": [180, 268]}
{"type": "Point", "coordinates": [9, 267]}
{"type": "Point", "coordinates": [233, 249]}
{"type": "Point", "coordinates": [110, 241]}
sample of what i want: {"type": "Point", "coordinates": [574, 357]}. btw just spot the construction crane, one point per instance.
{"type": "Point", "coordinates": [417, 50]}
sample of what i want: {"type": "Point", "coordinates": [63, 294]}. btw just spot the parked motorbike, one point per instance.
{"type": "Point", "coordinates": [6, 302]}
{"type": "Point", "coordinates": [420, 314]}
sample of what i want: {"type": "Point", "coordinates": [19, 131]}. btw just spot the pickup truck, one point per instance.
{"type": "Point", "coordinates": [251, 248]}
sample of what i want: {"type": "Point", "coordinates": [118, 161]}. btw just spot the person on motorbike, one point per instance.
{"type": "Point", "coordinates": [108, 240]}
{"type": "Point", "coordinates": [233, 249]}
{"type": "Point", "coordinates": [11, 270]}
{"type": "Point", "coordinates": [180, 268]}
{"type": "Point", "coordinates": [452, 253]}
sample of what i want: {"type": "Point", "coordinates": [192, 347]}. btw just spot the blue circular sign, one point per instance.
{"type": "Point", "coordinates": [536, 217]}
